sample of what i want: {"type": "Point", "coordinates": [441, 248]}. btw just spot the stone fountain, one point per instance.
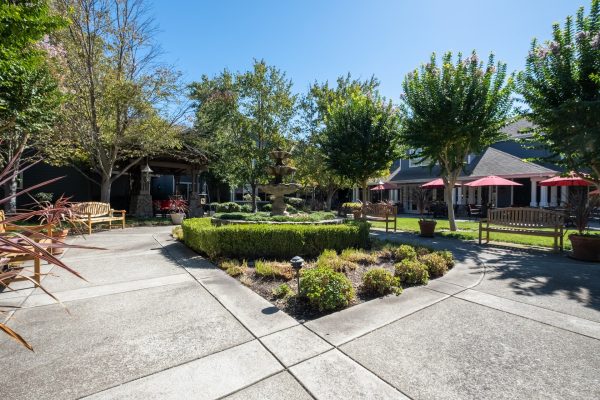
{"type": "Point", "coordinates": [277, 188]}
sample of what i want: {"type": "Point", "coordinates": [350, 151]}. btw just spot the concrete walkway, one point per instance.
{"type": "Point", "coordinates": [155, 320]}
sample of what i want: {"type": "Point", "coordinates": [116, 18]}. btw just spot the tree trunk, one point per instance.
{"type": "Point", "coordinates": [105, 186]}
{"type": "Point", "coordinates": [330, 194]}
{"type": "Point", "coordinates": [254, 205]}
{"type": "Point", "coordinates": [365, 197]}
{"type": "Point", "coordinates": [10, 189]}
{"type": "Point", "coordinates": [449, 185]}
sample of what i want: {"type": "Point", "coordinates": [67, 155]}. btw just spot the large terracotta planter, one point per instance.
{"type": "Point", "coordinates": [585, 248]}
{"type": "Point", "coordinates": [427, 227]}
{"type": "Point", "coordinates": [60, 235]}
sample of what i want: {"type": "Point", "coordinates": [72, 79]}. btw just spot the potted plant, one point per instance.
{"type": "Point", "coordinates": [354, 208]}
{"type": "Point", "coordinates": [586, 246]}
{"type": "Point", "coordinates": [178, 208]}
{"type": "Point", "coordinates": [422, 197]}
{"type": "Point", "coordinates": [58, 214]}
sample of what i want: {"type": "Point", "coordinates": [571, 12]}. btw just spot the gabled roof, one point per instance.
{"type": "Point", "coordinates": [518, 129]}
{"type": "Point", "coordinates": [496, 162]}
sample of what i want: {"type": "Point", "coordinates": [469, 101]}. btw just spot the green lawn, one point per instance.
{"type": "Point", "coordinates": [470, 230]}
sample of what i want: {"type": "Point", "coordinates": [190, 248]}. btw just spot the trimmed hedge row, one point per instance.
{"type": "Point", "coordinates": [272, 241]}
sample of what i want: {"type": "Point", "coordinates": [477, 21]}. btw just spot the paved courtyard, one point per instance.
{"type": "Point", "coordinates": [155, 320]}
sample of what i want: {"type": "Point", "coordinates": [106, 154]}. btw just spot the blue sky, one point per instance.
{"type": "Point", "coordinates": [320, 40]}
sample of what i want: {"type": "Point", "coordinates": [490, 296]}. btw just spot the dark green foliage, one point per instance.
{"type": "Point", "coordinates": [326, 289]}
{"type": "Point", "coordinates": [404, 251]}
{"type": "Point", "coordinates": [272, 241]}
{"type": "Point", "coordinates": [295, 202]}
{"type": "Point", "coordinates": [436, 264]}
{"type": "Point", "coordinates": [229, 207]}
{"type": "Point", "coordinates": [561, 85]}
{"type": "Point", "coordinates": [267, 207]}
{"type": "Point", "coordinates": [246, 208]}
{"type": "Point", "coordinates": [360, 137]}
{"type": "Point", "coordinates": [379, 282]}
{"type": "Point", "coordinates": [265, 216]}
{"type": "Point", "coordinates": [448, 257]}
{"type": "Point", "coordinates": [412, 272]}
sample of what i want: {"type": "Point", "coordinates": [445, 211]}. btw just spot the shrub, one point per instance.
{"type": "Point", "coordinates": [247, 197]}
{"type": "Point", "coordinates": [379, 281]}
{"type": "Point", "coordinates": [267, 207]}
{"type": "Point", "coordinates": [177, 233]}
{"type": "Point", "coordinates": [228, 207]}
{"type": "Point", "coordinates": [412, 272]}
{"type": "Point", "coordinates": [352, 206]}
{"type": "Point", "coordinates": [358, 256]}
{"type": "Point", "coordinates": [405, 251]}
{"type": "Point", "coordinates": [447, 255]}
{"type": "Point", "coordinates": [436, 264]}
{"type": "Point", "coordinates": [233, 267]}
{"type": "Point", "coordinates": [422, 250]}
{"type": "Point", "coordinates": [330, 259]}
{"type": "Point", "coordinates": [326, 289]}
{"type": "Point", "coordinates": [282, 291]}
{"type": "Point", "coordinates": [282, 241]}
{"type": "Point", "coordinates": [295, 202]}
{"type": "Point", "coordinates": [264, 216]}
{"type": "Point", "coordinates": [246, 208]}
{"type": "Point", "coordinates": [273, 270]}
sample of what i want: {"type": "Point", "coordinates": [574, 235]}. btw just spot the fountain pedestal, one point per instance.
{"type": "Point", "coordinates": [276, 187]}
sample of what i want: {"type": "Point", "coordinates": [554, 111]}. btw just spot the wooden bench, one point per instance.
{"type": "Point", "coordinates": [380, 212]}
{"type": "Point", "coordinates": [524, 221]}
{"type": "Point", "coordinates": [93, 212]}
{"type": "Point", "coordinates": [32, 232]}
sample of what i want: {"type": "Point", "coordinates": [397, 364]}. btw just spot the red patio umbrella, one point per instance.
{"type": "Point", "coordinates": [492, 180]}
{"type": "Point", "coordinates": [595, 192]}
{"type": "Point", "coordinates": [383, 186]}
{"type": "Point", "coordinates": [436, 184]}
{"type": "Point", "coordinates": [571, 180]}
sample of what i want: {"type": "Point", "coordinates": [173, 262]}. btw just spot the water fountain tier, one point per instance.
{"type": "Point", "coordinates": [276, 187]}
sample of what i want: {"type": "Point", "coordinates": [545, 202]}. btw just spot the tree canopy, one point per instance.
{"type": "Point", "coordinates": [360, 139]}
{"type": "Point", "coordinates": [453, 109]}
{"type": "Point", "coordinates": [561, 86]}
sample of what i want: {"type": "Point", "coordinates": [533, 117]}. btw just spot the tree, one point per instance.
{"type": "Point", "coordinates": [29, 94]}
{"type": "Point", "coordinates": [242, 117]}
{"type": "Point", "coordinates": [360, 140]}
{"type": "Point", "coordinates": [453, 110]}
{"type": "Point", "coordinates": [309, 158]}
{"type": "Point", "coordinates": [123, 105]}
{"type": "Point", "coordinates": [561, 86]}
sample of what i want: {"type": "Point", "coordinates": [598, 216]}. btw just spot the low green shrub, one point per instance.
{"type": "Point", "coordinates": [295, 202]}
{"type": "Point", "coordinates": [422, 250]}
{"type": "Point", "coordinates": [233, 267]}
{"type": "Point", "coordinates": [265, 216]}
{"type": "Point", "coordinates": [246, 208]}
{"type": "Point", "coordinates": [273, 270]}
{"type": "Point", "coordinates": [412, 272]}
{"type": "Point", "coordinates": [283, 291]}
{"type": "Point", "coordinates": [447, 255]}
{"type": "Point", "coordinates": [291, 210]}
{"type": "Point", "coordinates": [269, 241]}
{"type": "Point", "coordinates": [177, 233]}
{"type": "Point", "coordinates": [228, 207]}
{"type": "Point", "coordinates": [436, 264]}
{"type": "Point", "coordinates": [379, 282]}
{"type": "Point", "coordinates": [326, 289]}
{"type": "Point", "coordinates": [405, 251]}
{"type": "Point", "coordinates": [352, 206]}
{"type": "Point", "coordinates": [330, 259]}
{"type": "Point", "coordinates": [267, 207]}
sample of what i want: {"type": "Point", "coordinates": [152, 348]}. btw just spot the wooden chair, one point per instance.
{"type": "Point", "coordinates": [93, 212]}
{"type": "Point", "coordinates": [29, 231]}
{"type": "Point", "coordinates": [524, 221]}
{"type": "Point", "coordinates": [380, 212]}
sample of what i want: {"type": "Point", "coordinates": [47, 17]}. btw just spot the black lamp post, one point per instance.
{"type": "Point", "coordinates": [297, 264]}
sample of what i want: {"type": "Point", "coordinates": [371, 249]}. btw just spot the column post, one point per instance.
{"type": "Point", "coordinates": [564, 195]}
{"type": "Point", "coordinates": [553, 196]}
{"type": "Point", "coordinates": [460, 200]}
{"type": "Point", "coordinates": [231, 193]}
{"type": "Point", "coordinates": [471, 195]}
{"type": "Point", "coordinates": [479, 195]}
{"type": "Point", "coordinates": [533, 202]}
{"type": "Point", "coordinates": [543, 196]}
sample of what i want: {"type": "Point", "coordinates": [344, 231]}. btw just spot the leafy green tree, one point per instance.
{"type": "Point", "coordinates": [452, 110]}
{"type": "Point", "coordinates": [561, 85]}
{"type": "Point", "coordinates": [360, 140]}
{"type": "Point", "coordinates": [309, 158]}
{"type": "Point", "coordinates": [29, 94]}
{"type": "Point", "coordinates": [242, 117]}
{"type": "Point", "coordinates": [122, 104]}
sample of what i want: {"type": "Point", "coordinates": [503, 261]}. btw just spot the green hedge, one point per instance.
{"type": "Point", "coordinates": [272, 241]}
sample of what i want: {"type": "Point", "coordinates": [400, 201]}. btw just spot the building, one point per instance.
{"type": "Point", "coordinates": [510, 159]}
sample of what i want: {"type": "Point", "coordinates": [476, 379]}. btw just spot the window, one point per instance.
{"type": "Point", "coordinates": [415, 161]}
